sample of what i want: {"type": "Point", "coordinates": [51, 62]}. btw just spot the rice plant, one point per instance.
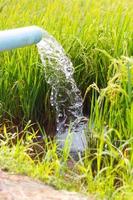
{"type": "Point", "coordinates": [98, 38]}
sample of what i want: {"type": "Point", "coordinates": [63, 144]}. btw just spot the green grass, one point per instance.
{"type": "Point", "coordinates": [98, 37]}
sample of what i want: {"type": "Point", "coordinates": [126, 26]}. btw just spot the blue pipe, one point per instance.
{"type": "Point", "coordinates": [20, 37]}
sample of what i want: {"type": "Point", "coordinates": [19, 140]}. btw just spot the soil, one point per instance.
{"type": "Point", "coordinates": [18, 187]}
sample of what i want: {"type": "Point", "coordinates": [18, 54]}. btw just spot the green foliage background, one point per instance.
{"type": "Point", "coordinates": [98, 37]}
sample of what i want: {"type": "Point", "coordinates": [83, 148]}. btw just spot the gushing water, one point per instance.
{"type": "Point", "coordinates": [65, 96]}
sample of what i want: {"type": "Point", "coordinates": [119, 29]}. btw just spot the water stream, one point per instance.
{"type": "Point", "coordinates": [65, 96]}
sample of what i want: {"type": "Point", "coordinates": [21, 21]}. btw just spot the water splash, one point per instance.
{"type": "Point", "coordinates": [65, 96]}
